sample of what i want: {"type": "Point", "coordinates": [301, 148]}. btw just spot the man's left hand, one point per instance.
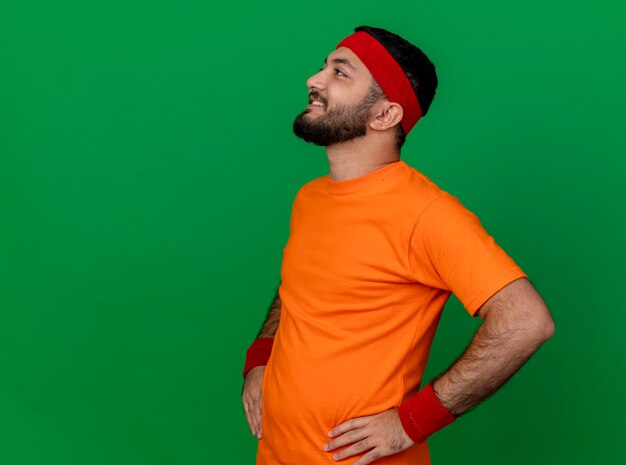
{"type": "Point", "coordinates": [382, 433]}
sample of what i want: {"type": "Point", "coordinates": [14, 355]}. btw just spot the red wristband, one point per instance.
{"type": "Point", "coordinates": [258, 353]}
{"type": "Point", "coordinates": [423, 415]}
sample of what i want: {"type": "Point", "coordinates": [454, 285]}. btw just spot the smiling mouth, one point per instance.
{"type": "Point", "coordinates": [315, 100]}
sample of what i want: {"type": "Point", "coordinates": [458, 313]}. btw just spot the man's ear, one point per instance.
{"type": "Point", "coordinates": [387, 116]}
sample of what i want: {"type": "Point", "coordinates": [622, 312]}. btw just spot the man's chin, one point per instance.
{"type": "Point", "coordinates": [302, 132]}
{"type": "Point", "coordinates": [306, 116]}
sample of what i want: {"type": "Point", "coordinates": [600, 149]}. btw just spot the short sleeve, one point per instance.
{"type": "Point", "coordinates": [449, 249]}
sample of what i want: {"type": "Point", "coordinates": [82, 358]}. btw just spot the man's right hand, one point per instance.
{"type": "Point", "coordinates": [251, 396]}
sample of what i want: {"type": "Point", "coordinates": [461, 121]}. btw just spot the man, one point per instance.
{"type": "Point", "coordinates": [375, 250]}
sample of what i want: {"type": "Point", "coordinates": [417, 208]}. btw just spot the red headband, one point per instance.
{"type": "Point", "coordinates": [387, 73]}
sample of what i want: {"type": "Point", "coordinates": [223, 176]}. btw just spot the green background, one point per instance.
{"type": "Point", "coordinates": [147, 171]}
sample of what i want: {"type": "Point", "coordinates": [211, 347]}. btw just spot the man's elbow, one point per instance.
{"type": "Point", "coordinates": [541, 325]}
{"type": "Point", "coordinates": [547, 329]}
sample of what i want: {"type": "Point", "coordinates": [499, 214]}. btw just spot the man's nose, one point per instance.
{"type": "Point", "coordinates": [317, 81]}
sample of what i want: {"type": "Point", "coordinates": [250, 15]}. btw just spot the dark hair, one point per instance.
{"type": "Point", "coordinates": [415, 64]}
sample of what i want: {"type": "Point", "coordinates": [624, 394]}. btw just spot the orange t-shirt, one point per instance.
{"type": "Point", "coordinates": [369, 264]}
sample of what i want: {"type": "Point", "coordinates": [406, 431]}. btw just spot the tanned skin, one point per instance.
{"type": "Point", "coordinates": [251, 393]}
{"type": "Point", "coordinates": [517, 322]}
{"type": "Point", "coordinates": [270, 326]}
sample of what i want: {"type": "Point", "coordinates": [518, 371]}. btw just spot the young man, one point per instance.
{"type": "Point", "coordinates": [374, 251]}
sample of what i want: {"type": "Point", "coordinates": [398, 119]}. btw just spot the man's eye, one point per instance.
{"type": "Point", "coordinates": [339, 71]}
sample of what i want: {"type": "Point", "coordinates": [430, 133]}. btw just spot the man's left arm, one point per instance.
{"type": "Point", "coordinates": [516, 323]}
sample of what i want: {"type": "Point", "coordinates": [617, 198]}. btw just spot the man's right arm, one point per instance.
{"type": "Point", "coordinates": [270, 326]}
{"type": "Point", "coordinates": [252, 388]}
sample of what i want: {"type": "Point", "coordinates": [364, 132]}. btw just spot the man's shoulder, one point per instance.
{"type": "Point", "coordinates": [313, 186]}
{"type": "Point", "coordinates": [419, 189]}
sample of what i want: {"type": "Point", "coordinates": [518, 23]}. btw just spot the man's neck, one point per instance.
{"type": "Point", "coordinates": [359, 157]}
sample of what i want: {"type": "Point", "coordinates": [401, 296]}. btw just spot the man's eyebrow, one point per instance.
{"type": "Point", "coordinates": [340, 61]}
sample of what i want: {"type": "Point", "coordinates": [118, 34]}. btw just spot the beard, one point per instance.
{"type": "Point", "coordinates": [339, 124]}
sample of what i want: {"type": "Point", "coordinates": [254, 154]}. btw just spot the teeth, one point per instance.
{"type": "Point", "coordinates": [317, 103]}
